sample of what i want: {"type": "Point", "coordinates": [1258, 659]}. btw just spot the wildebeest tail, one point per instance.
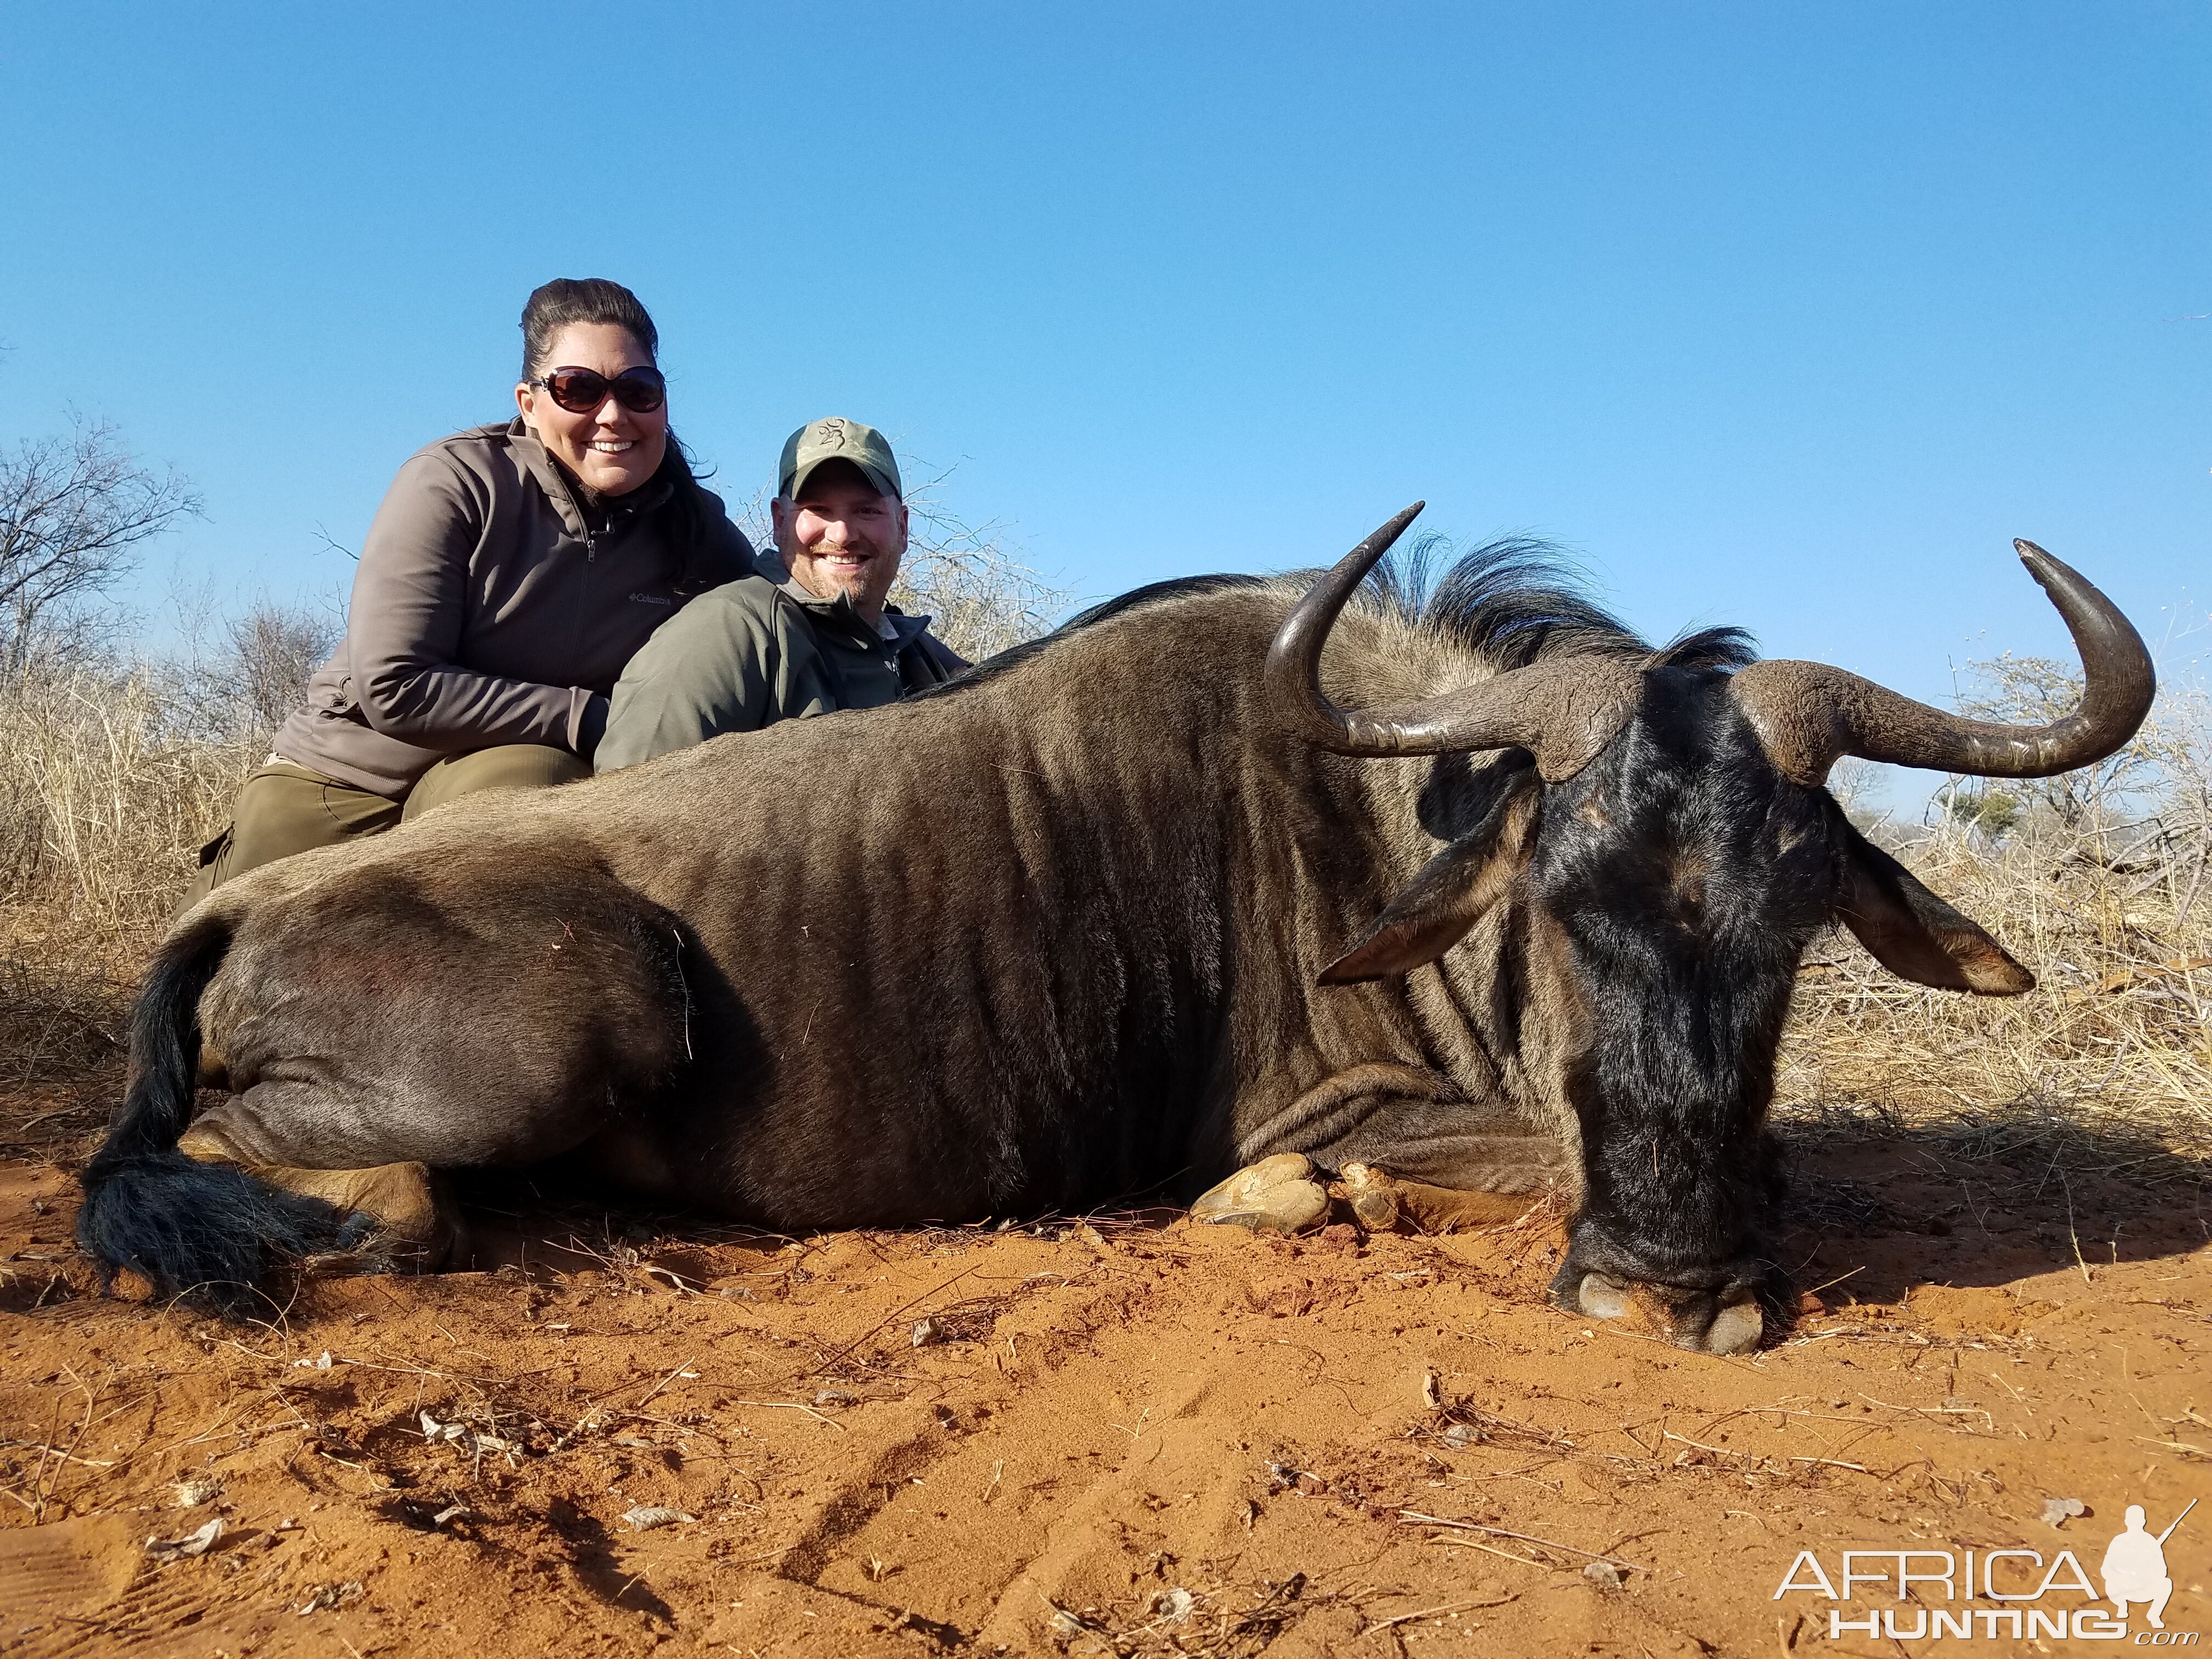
{"type": "Point", "coordinates": [204, 1230]}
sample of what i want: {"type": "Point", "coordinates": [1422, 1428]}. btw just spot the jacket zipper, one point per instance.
{"type": "Point", "coordinates": [591, 556]}
{"type": "Point", "coordinates": [591, 538]}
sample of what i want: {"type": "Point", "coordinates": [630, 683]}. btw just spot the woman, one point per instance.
{"type": "Point", "coordinates": [508, 576]}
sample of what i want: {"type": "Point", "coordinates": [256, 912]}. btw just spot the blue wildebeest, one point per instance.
{"type": "Point", "coordinates": [1469, 888]}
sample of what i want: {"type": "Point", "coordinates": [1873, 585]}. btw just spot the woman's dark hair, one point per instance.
{"type": "Point", "coordinates": [568, 300]}
{"type": "Point", "coordinates": [565, 301]}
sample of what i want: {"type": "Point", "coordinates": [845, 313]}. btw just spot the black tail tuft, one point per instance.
{"type": "Point", "coordinates": [204, 1231]}
{"type": "Point", "coordinates": [189, 1229]}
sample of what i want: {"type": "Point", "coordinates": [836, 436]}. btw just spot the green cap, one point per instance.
{"type": "Point", "coordinates": [837, 438]}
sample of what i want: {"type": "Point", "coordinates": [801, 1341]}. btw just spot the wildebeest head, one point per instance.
{"type": "Point", "coordinates": [1663, 824]}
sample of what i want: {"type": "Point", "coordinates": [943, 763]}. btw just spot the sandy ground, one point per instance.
{"type": "Point", "coordinates": [1128, 1434]}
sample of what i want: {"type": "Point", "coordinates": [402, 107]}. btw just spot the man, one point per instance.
{"type": "Point", "coordinates": [809, 634]}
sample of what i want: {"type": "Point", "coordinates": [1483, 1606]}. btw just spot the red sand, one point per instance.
{"type": "Point", "coordinates": [1124, 1438]}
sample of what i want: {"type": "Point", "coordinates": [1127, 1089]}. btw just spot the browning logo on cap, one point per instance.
{"type": "Point", "coordinates": [837, 438]}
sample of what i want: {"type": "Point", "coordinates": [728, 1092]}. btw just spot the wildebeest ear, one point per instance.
{"type": "Point", "coordinates": [1434, 910]}
{"type": "Point", "coordinates": [1916, 935]}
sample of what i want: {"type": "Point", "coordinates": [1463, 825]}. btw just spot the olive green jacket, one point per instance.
{"type": "Point", "coordinates": [750, 653]}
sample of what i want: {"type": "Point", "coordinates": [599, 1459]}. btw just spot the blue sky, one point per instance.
{"type": "Point", "coordinates": [1782, 315]}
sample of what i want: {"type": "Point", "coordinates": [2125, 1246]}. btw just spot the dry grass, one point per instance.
{"type": "Point", "coordinates": [2112, 1055]}
{"type": "Point", "coordinates": [2119, 1021]}
{"type": "Point", "coordinates": [107, 792]}
{"type": "Point", "coordinates": [112, 775]}
{"type": "Point", "coordinates": [106, 795]}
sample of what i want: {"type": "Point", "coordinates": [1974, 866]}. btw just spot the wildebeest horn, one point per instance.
{"type": "Point", "coordinates": [1562, 712]}
{"type": "Point", "coordinates": [1808, 715]}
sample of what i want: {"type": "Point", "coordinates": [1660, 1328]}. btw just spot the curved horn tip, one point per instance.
{"type": "Point", "coordinates": [1396, 526]}
{"type": "Point", "coordinates": [2044, 566]}
{"type": "Point", "coordinates": [1369, 554]}
{"type": "Point", "coordinates": [2041, 562]}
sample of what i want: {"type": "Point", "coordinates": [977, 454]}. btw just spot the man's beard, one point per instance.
{"type": "Point", "coordinates": [852, 583]}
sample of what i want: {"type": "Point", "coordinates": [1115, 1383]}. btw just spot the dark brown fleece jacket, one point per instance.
{"type": "Point", "coordinates": [487, 611]}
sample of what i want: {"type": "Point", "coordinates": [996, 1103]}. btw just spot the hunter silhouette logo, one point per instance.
{"type": "Point", "coordinates": [1926, 1585]}
{"type": "Point", "coordinates": [2134, 1568]}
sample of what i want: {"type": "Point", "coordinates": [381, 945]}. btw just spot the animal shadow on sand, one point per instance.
{"type": "Point", "coordinates": [1877, 1203]}
{"type": "Point", "coordinates": [597, 1561]}
{"type": "Point", "coordinates": [557, 1218]}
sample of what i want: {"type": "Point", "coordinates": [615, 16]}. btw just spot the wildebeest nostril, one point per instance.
{"type": "Point", "coordinates": [1730, 1322]}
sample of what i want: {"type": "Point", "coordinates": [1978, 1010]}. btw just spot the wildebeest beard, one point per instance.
{"type": "Point", "coordinates": [1118, 911]}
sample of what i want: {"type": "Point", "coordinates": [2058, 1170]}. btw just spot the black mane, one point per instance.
{"type": "Point", "coordinates": [1517, 599]}
{"type": "Point", "coordinates": [1513, 601]}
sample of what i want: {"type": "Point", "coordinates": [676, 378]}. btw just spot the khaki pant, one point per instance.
{"type": "Point", "coordinates": [285, 809]}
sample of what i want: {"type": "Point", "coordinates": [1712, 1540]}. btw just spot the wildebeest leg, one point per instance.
{"type": "Point", "coordinates": [1494, 1178]}
{"type": "Point", "coordinates": [1411, 1123]}
{"type": "Point", "coordinates": [408, 1021]}
{"type": "Point", "coordinates": [1274, 1190]}
{"type": "Point", "coordinates": [1443, 1164]}
{"type": "Point", "coordinates": [1379, 1202]}
{"type": "Point", "coordinates": [1451, 1144]}
{"type": "Point", "coordinates": [1278, 1195]}
{"type": "Point", "coordinates": [404, 1213]}
{"type": "Point", "coordinates": [1452, 1161]}
{"type": "Point", "coordinates": [1455, 1164]}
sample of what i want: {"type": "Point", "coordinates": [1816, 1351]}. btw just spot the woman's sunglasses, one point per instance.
{"type": "Point", "coordinates": [580, 391]}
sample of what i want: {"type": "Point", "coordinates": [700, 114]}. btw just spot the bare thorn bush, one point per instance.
{"type": "Point", "coordinates": [983, 600]}
{"type": "Point", "coordinates": [74, 512]}
{"type": "Point", "coordinates": [258, 679]}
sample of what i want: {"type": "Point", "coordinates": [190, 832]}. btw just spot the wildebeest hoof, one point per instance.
{"type": "Point", "coordinates": [1726, 1321]}
{"type": "Point", "coordinates": [399, 1217]}
{"type": "Point", "coordinates": [1277, 1194]}
{"type": "Point", "coordinates": [1373, 1196]}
